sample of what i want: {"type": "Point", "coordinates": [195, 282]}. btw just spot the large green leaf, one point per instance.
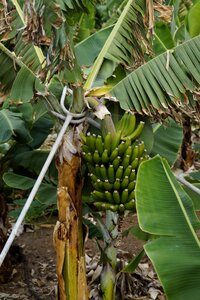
{"type": "Point", "coordinates": [193, 20]}
{"type": "Point", "coordinates": [88, 49]}
{"type": "Point", "coordinates": [12, 125]}
{"type": "Point", "coordinates": [125, 42]}
{"type": "Point", "coordinates": [163, 82]}
{"type": "Point", "coordinates": [165, 210]}
{"type": "Point", "coordinates": [167, 140]}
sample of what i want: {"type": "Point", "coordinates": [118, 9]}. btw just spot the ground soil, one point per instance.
{"type": "Point", "coordinates": [34, 275]}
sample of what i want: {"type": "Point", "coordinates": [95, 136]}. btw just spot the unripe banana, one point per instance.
{"type": "Point", "coordinates": [117, 184]}
{"type": "Point", "coordinates": [96, 157]}
{"type": "Point", "coordinates": [106, 206]}
{"type": "Point", "coordinates": [128, 151]}
{"type": "Point", "coordinates": [83, 137]}
{"type": "Point", "coordinates": [116, 197]}
{"type": "Point", "coordinates": [135, 152]}
{"type": "Point", "coordinates": [88, 157]}
{"type": "Point", "coordinates": [137, 132]}
{"type": "Point", "coordinates": [140, 149]}
{"type": "Point", "coordinates": [125, 182]}
{"type": "Point", "coordinates": [91, 141]}
{"type": "Point", "coordinates": [131, 186]}
{"type": "Point", "coordinates": [103, 172]}
{"type": "Point", "coordinates": [135, 163]}
{"type": "Point", "coordinates": [131, 195]}
{"type": "Point", "coordinates": [111, 173]}
{"type": "Point", "coordinates": [119, 172]}
{"type": "Point", "coordinates": [114, 154]}
{"type": "Point", "coordinates": [107, 185]}
{"type": "Point", "coordinates": [132, 175]}
{"type": "Point", "coordinates": [116, 140]}
{"type": "Point", "coordinates": [108, 142]}
{"type": "Point", "coordinates": [109, 197]}
{"type": "Point", "coordinates": [99, 185]}
{"type": "Point", "coordinates": [127, 144]}
{"type": "Point", "coordinates": [124, 196]}
{"type": "Point", "coordinates": [116, 162]}
{"type": "Point", "coordinates": [99, 145]}
{"type": "Point", "coordinates": [121, 208]}
{"type": "Point", "coordinates": [127, 171]}
{"type": "Point", "coordinates": [93, 177]}
{"type": "Point", "coordinates": [98, 196]}
{"type": "Point", "coordinates": [131, 125]}
{"type": "Point", "coordinates": [85, 148]}
{"type": "Point", "coordinates": [92, 169]}
{"type": "Point", "coordinates": [121, 148]}
{"type": "Point", "coordinates": [97, 171]}
{"type": "Point", "coordinates": [105, 158]}
{"type": "Point", "coordinates": [122, 123]}
{"type": "Point", "coordinates": [130, 205]}
{"type": "Point", "coordinates": [126, 161]}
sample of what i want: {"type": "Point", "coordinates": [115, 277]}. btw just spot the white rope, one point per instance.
{"type": "Point", "coordinates": [34, 190]}
{"type": "Point", "coordinates": [68, 120]}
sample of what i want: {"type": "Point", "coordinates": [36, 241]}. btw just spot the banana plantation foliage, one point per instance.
{"type": "Point", "coordinates": [128, 73]}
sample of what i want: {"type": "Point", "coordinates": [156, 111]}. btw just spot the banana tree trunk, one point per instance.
{"type": "Point", "coordinates": [68, 233]}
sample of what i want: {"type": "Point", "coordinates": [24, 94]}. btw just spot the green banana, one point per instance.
{"type": "Point", "coordinates": [131, 195]}
{"type": "Point", "coordinates": [128, 151]}
{"type": "Point", "coordinates": [108, 142]}
{"type": "Point", "coordinates": [97, 171]}
{"type": "Point", "coordinates": [83, 137]}
{"type": "Point", "coordinates": [124, 196]}
{"type": "Point", "coordinates": [135, 152]}
{"type": "Point", "coordinates": [140, 149]}
{"type": "Point", "coordinates": [119, 172]}
{"type": "Point", "coordinates": [85, 148]}
{"type": "Point", "coordinates": [126, 161]}
{"type": "Point", "coordinates": [97, 195]}
{"type": "Point", "coordinates": [93, 177]}
{"type": "Point", "coordinates": [109, 197]}
{"type": "Point", "coordinates": [116, 162]}
{"type": "Point", "coordinates": [132, 175]}
{"type": "Point", "coordinates": [105, 158]}
{"type": "Point", "coordinates": [103, 172]}
{"type": "Point", "coordinates": [88, 157]}
{"type": "Point", "coordinates": [135, 163]}
{"type": "Point", "coordinates": [121, 208]}
{"type": "Point", "coordinates": [91, 141]}
{"type": "Point", "coordinates": [116, 140]}
{"type": "Point", "coordinates": [121, 148]}
{"type": "Point", "coordinates": [99, 185]}
{"type": "Point", "coordinates": [125, 182]}
{"type": "Point", "coordinates": [116, 197]}
{"type": "Point", "coordinates": [99, 145]}
{"type": "Point", "coordinates": [107, 185]}
{"type": "Point", "coordinates": [136, 133]}
{"type": "Point", "coordinates": [122, 123]}
{"type": "Point", "coordinates": [130, 205]}
{"type": "Point", "coordinates": [117, 184]}
{"type": "Point", "coordinates": [131, 186]}
{"type": "Point", "coordinates": [114, 154]}
{"type": "Point", "coordinates": [131, 124]}
{"type": "Point", "coordinates": [111, 173]}
{"type": "Point", "coordinates": [127, 171]}
{"type": "Point", "coordinates": [96, 157]}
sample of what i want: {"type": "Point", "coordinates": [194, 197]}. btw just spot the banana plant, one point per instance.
{"type": "Point", "coordinates": [124, 70]}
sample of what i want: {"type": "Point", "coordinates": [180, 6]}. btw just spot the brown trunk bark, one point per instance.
{"type": "Point", "coordinates": [68, 234]}
{"type": "Point", "coordinates": [6, 268]}
{"type": "Point", "coordinates": [187, 154]}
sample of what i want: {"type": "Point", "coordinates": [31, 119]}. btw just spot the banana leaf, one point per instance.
{"type": "Point", "coordinates": [165, 210]}
{"type": "Point", "coordinates": [163, 82]}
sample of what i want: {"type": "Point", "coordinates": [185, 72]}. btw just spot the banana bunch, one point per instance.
{"type": "Point", "coordinates": [113, 164]}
